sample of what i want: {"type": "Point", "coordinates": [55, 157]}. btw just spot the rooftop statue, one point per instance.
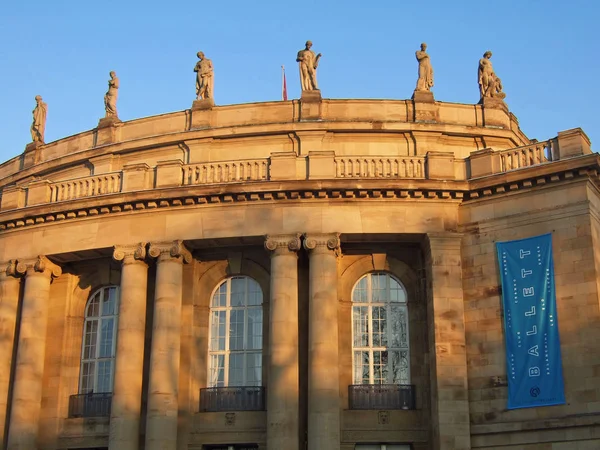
{"type": "Point", "coordinates": [110, 99]}
{"type": "Point", "coordinates": [308, 63]}
{"type": "Point", "coordinates": [39, 120]}
{"type": "Point", "coordinates": [204, 78]}
{"type": "Point", "coordinates": [489, 84]}
{"type": "Point", "coordinates": [425, 80]}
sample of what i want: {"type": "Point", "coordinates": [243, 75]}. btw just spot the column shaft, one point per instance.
{"type": "Point", "coordinates": [9, 300]}
{"type": "Point", "coordinates": [129, 360]}
{"type": "Point", "coordinates": [283, 387]}
{"type": "Point", "coordinates": [445, 318]}
{"type": "Point", "coordinates": [31, 351]}
{"type": "Point", "coordinates": [161, 420]}
{"type": "Point", "coordinates": [323, 358]}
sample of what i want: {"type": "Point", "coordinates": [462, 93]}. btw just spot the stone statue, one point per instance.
{"type": "Point", "coordinates": [110, 99]}
{"type": "Point", "coordinates": [308, 62]}
{"type": "Point", "coordinates": [39, 120]}
{"type": "Point", "coordinates": [425, 80]}
{"type": "Point", "coordinates": [204, 78]}
{"type": "Point", "coordinates": [489, 84]}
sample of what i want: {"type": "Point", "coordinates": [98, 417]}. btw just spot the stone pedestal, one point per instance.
{"type": "Point", "coordinates": [129, 362]}
{"type": "Point", "coordinates": [201, 113]}
{"type": "Point", "coordinates": [283, 386]}
{"type": "Point", "coordinates": [495, 113]}
{"type": "Point", "coordinates": [162, 415]}
{"type": "Point", "coordinates": [425, 109]}
{"type": "Point", "coordinates": [29, 371]}
{"type": "Point", "coordinates": [9, 300]}
{"type": "Point", "coordinates": [450, 421]}
{"type": "Point", "coordinates": [107, 131]}
{"type": "Point", "coordinates": [32, 154]}
{"type": "Point", "coordinates": [323, 359]}
{"type": "Point", "coordinates": [311, 105]}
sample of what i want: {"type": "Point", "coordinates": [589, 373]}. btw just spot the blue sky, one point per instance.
{"type": "Point", "coordinates": [546, 52]}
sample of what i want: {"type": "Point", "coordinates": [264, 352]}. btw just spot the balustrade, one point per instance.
{"type": "Point", "coordinates": [108, 183]}
{"type": "Point", "coordinates": [226, 172]}
{"type": "Point", "coordinates": [379, 167]}
{"type": "Point", "coordinates": [530, 155]}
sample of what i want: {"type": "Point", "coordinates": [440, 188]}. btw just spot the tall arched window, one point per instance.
{"type": "Point", "coordinates": [235, 342]}
{"type": "Point", "coordinates": [99, 341]}
{"type": "Point", "coordinates": [380, 341]}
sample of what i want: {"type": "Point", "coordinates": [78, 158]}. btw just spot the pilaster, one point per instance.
{"type": "Point", "coordinates": [445, 318]}
{"type": "Point", "coordinates": [283, 387]}
{"type": "Point", "coordinates": [29, 371]}
{"type": "Point", "coordinates": [323, 357]}
{"type": "Point", "coordinates": [129, 361]}
{"type": "Point", "coordinates": [163, 408]}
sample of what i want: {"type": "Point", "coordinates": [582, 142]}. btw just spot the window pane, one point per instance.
{"type": "Point", "coordinates": [238, 290]}
{"type": "Point", "coordinates": [400, 367]}
{"type": "Point", "coordinates": [236, 329]}
{"type": "Point", "coordinates": [380, 367]}
{"type": "Point", "coordinates": [89, 341]}
{"type": "Point", "coordinates": [217, 331]}
{"type": "Point", "coordinates": [220, 296]}
{"type": "Point", "coordinates": [254, 369]}
{"type": "Point", "coordinates": [399, 326]}
{"type": "Point", "coordinates": [254, 331]}
{"type": "Point", "coordinates": [360, 325]}
{"type": "Point", "coordinates": [217, 371]}
{"type": "Point", "coordinates": [254, 293]}
{"type": "Point", "coordinates": [106, 338]}
{"type": "Point", "coordinates": [379, 326]}
{"type": "Point", "coordinates": [397, 293]}
{"type": "Point", "coordinates": [378, 288]}
{"type": "Point", "coordinates": [236, 369]}
{"type": "Point", "coordinates": [359, 294]}
{"type": "Point", "coordinates": [104, 376]}
{"type": "Point", "coordinates": [108, 302]}
{"type": "Point", "coordinates": [87, 377]}
{"type": "Point", "coordinates": [93, 306]}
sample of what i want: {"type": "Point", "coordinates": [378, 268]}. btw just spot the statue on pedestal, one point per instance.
{"type": "Point", "coordinates": [204, 78]}
{"type": "Point", "coordinates": [308, 63]}
{"type": "Point", "coordinates": [425, 80]}
{"type": "Point", "coordinates": [110, 99]}
{"type": "Point", "coordinates": [39, 120]}
{"type": "Point", "coordinates": [489, 84]}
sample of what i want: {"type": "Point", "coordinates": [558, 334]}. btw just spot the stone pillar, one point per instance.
{"type": "Point", "coordinates": [129, 362]}
{"type": "Point", "coordinates": [448, 361]}
{"type": "Point", "coordinates": [283, 386]}
{"type": "Point", "coordinates": [162, 415]}
{"type": "Point", "coordinates": [323, 367]}
{"type": "Point", "coordinates": [9, 300]}
{"type": "Point", "coordinates": [29, 371]}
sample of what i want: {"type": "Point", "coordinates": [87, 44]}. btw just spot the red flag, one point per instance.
{"type": "Point", "coordinates": [284, 85]}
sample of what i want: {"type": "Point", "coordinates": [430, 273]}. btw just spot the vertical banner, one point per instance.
{"type": "Point", "coordinates": [533, 358]}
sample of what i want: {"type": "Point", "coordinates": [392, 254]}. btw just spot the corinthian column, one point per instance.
{"type": "Point", "coordinates": [323, 369]}
{"type": "Point", "coordinates": [161, 420]}
{"type": "Point", "coordinates": [31, 350]}
{"type": "Point", "coordinates": [282, 395]}
{"type": "Point", "coordinates": [127, 391]}
{"type": "Point", "coordinates": [9, 299]}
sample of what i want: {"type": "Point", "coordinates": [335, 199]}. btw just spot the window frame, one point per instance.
{"type": "Point", "coordinates": [227, 352]}
{"type": "Point", "coordinates": [370, 348]}
{"type": "Point", "coordinates": [99, 318]}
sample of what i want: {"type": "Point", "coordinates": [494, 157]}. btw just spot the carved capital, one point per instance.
{"type": "Point", "coordinates": [283, 243]}
{"type": "Point", "coordinates": [322, 243]}
{"type": "Point", "coordinates": [170, 250]}
{"type": "Point", "coordinates": [40, 265]}
{"type": "Point", "coordinates": [129, 254]}
{"type": "Point", "coordinates": [9, 269]}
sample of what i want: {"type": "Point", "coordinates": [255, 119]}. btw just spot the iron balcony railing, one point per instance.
{"type": "Point", "coordinates": [90, 405]}
{"type": "Point", "coordinates": [242, 398]}
{"type": "Point", "coordinates": [381, 396]}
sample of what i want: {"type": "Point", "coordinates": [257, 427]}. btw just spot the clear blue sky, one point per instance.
{"type": "Point", "coordinates": [545, 51]}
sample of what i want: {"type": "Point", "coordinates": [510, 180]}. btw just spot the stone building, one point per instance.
{"type": "Point", "coordinates": [290, 275]}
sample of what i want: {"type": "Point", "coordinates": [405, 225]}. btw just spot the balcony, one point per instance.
{"type": "Point", "coordinates": [242, 398]}
{"type": "Point", "coordinates": [90, 405]}
{"type": "Point", "coordinates": [381, 396]}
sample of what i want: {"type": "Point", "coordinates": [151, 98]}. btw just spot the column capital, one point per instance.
{"type": "Point", "coordinates": [8, 269]}
{"type": "Point", "coordinates": [322, 242]}
{"type": "Point", "coordinates": [170, 250]}
{"type": "Point", "coordinates": [130, 254]}
{"type": "Point", "coordinates": [283, 243]}
{"type": "Point", "coordinates": [39, 265]}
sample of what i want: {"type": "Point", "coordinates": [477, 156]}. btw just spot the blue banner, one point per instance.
{"type": "Point", "coordinates": [533, 358]}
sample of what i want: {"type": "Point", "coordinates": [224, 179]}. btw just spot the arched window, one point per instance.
{"type": "Point", "coordinates": [99, 341]}
{"type": "Point", "coordinates": [235, 342]}
{"type": "Point", "coordinates": [380, 342]}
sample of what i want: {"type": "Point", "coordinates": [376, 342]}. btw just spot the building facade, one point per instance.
{"type": "Point", "coordinates": [290, 275]}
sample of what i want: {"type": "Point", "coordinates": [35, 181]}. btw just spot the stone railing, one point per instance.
{"type": "Point", "coordinates": [108, 183]}
{"type": "Point", "coordinates": [530, 155]}
{"type": "Point", "coordinates": [380, 167]}
{"type": "Point", "coordinates": [226, 172]}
